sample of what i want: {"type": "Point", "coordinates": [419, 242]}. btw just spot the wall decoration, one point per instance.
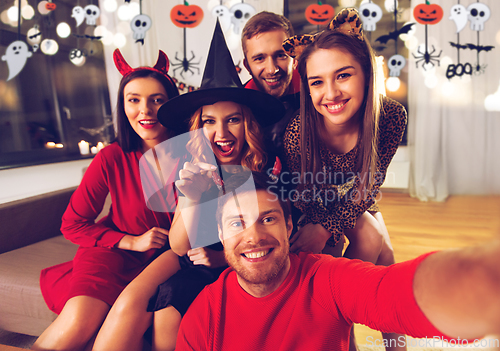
{"type": "Point", "coordinates": [17, 52]}
{"type": "Point", "coordinates": [477, 13]}
{"type": "Point", "coordinates": [140, 24]}
{"type": "Point", "coordinates": [370, 14]}
{"type": "Point", "coordinates": [78, 14]}
{"type": "Point", "coordinates": [16, 55]}
{"type": "Point", "coordinates": [92, 13]}
{"type": "Point", "coordinates": [427, 14]}
{"type": "Point", "coordinates": [186, 16]}
{"type": "Point", "coordinates": [241, 13]}
{"type": "Point", "coordinates": [383, 39]}
{"type": "Point", "coordinates": [396, 63]}
{"type": "Point", "coordinates": [319, 14]}
{"type": "Point", "coordinates": [50, 5]}
{"type": "Point", "coordinates": [223, 14]}
{"type": "Point", "coordinates": [34, 37]}
{"type": "Point", "coordinates": [77, 57]}
{"type": "Point", "coordinates": [459, 15]}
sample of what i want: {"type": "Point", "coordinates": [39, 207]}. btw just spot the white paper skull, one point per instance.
{"type": "Point", "coordinates": [396, 64]}
{"type": "Point", "coordinates": [224, 15]}
{"type": "Point", "coordinates": [92, 12]}
{"type": "Point", "coordinates": [370, 14]}
{"type": "Point", "coordinates": [140, 25]}
{"type": "Point", "coordinates": [478, 14]}
{"type": "Point", "coordinates": [34, 37]}
{"type": "Point", "coordinates": [241, 13]}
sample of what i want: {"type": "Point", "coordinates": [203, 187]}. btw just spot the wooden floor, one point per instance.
{"type": "Point", "coordinates": [418, 227]}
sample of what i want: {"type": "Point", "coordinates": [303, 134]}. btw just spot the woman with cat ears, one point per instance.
{"type": "Point", "coordinates": [115, 249]}
{"type": "Point", "coordinates": [341, 143]}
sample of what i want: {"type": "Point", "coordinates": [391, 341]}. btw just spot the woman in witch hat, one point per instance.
{"type": "Point", "coordinates": [114, 250]}
{"type": "Point", "coordinates": [225, 121]}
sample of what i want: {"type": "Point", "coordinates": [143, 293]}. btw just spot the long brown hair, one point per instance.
{"type": "Point", "coordinates": [253, 155]}
{"type": "Point", "coordinates": [311, 120]}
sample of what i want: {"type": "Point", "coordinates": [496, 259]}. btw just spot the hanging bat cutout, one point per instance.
{"type": "Point", "coordinates": [479, 48]}
{"type": "Point", "coordinates": [394, 35]}
{"type": "Point", "coordinates": [458, 46]}
{"type": "Point", "coordinates": [89, 37]}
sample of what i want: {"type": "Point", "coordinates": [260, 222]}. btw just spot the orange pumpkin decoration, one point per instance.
{"type": "Point", "coordinates": [319, 13]}
{"type": "Point", "coordinates": [50, 6]}
{"type": "Point", "coordinates": [186, 16]}
{"type": "Point", "coordinates": [428, 13]}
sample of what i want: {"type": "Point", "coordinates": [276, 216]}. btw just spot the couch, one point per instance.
{"type": "Point", "coordinates": [30, 240]}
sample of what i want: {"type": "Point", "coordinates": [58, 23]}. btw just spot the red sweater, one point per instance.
{"type": "Point", "coordinates": [313, 309]}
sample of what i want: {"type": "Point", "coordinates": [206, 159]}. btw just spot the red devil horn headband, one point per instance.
{"type": "Point", "coordinates": [162, 64]}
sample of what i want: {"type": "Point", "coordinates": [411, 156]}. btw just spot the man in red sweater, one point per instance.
{"type": "Point", "coordinates": [270, 299]}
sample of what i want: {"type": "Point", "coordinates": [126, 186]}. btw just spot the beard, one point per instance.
{"type": "Point", "coordinates": [277, 91]}
{"type": "Point", "coordinates": [261, 276]}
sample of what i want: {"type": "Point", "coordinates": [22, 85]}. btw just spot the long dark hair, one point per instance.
{"type": "Point", "coordinates": [126, 137]}
{"type": "Point", "coordinates": [311, 121]}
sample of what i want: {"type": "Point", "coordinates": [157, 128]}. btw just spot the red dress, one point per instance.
{"type": "Point", "coordinates": [99, 269]}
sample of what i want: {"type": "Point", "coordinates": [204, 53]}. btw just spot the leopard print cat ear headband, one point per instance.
{"type": "Point", "coordinates": [347, 21]}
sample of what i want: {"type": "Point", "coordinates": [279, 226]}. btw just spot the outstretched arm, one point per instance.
{"type": "Point", "coordinates": [459, 290]}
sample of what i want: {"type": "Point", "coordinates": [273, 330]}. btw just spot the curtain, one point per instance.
{"type": "Point", "coordinates": [454, 141]}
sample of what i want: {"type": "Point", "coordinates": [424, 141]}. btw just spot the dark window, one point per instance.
{"type": "Point", "coordinates": [52, 99]}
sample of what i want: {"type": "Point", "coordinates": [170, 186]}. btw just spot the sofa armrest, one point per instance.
{"type": "Point", "coordinates": [27, 221]}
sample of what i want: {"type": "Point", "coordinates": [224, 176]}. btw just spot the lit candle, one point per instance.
{"type": "Point", "coordinates": [84, 147]}
{"type": "Point", "coordinates": [100, 146]}
{"type": "Point", "coordinates": [94, 150]}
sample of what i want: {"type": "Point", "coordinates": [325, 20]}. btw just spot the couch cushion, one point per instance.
{"type": "Point", "coordinates": [22, 308]}
{"type": "Point", "coordinates": [33, 219]}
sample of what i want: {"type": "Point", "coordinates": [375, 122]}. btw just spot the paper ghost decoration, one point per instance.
{"type": "Point", "coordinates": [459, 15]}
{"type": "Point", "coordinates": [224, 15]}
{"type": "Point", "coordinates": [78, 14]}
{"type": "Point", "coordinates": [16, 56]}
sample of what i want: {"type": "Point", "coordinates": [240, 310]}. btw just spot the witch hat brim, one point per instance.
{"type": "Point", "coordinates": [220, 83]}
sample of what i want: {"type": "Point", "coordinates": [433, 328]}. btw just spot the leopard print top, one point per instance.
{"type": "Point", "coordinates": [329, 201]}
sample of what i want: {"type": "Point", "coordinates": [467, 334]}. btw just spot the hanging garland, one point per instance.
{"type": "Point", "coordinates": [427, 14]}
{"type": "Point", "coordinates": [186, 16]}
{"type": "Point", "coordinates": [17, 52]}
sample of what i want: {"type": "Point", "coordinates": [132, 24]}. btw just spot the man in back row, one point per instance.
{"type": "Point", "coordinates": [273, 300]}
{"type": "Point", "coordinates": [272, 70]}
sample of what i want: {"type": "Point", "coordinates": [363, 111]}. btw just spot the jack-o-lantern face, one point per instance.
{"type": "Point", "coordinates": [50, 6]}
{"type": "Point", "coordinates": [319, 14]}
{"type": "Point", "coordinates": [186, 16]}
{"type": "Point", "coordinates": [428, 13]}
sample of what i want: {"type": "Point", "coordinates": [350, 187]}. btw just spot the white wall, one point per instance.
{"type": "Point", "coordinates": [19, 183]}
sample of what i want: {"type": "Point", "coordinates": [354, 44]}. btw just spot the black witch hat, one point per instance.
{"type": "Point", "coordinates": [220, 83]}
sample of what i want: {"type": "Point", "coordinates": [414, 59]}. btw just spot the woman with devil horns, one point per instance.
{"type": "Point", "coordinates": [115, 249]}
